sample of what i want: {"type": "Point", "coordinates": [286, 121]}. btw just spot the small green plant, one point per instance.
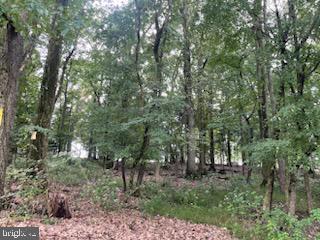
{"type": "Point", "coordinates": [280, 225]}
{"type": "Point", "coordinates": [244, 204]}
{"type": "Point", "coordinates": [22, 212]}
{"type": "Point", "coordinates": [107, 193]}
{"type": "Point", "coordinates": [49, 221]}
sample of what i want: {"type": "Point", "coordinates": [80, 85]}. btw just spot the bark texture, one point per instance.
{"type": "Point", "coordinates": [188, 88]}
{"type": "Point", "coordinates": [11, 61]}
{"type": "Point", "coordinates": [58, 206]}
{"type": "Point", "coordinates": [49, 87]}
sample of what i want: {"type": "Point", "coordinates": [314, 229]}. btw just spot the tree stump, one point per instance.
{"type": "Point", "coordinates": [58, 205]}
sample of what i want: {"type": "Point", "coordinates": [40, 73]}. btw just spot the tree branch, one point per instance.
{"type": "Point", "coordinates": [64, 68]}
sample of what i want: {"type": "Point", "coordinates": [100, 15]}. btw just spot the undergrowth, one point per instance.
{"type": "Point", "coordinates": [237, 208]}
{"type": "Point", "coordinates": [73, 171]}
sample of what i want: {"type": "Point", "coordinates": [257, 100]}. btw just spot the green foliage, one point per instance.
{"type": "Point", "coordinates": [34, 22]}
{"type": "Point", "coordinates": [24, 189]}
{"type": "Point", "coordinates": [234, 207]}
{"type": "Point", "coordinates": [270, 149]}
{"type": "Point", "coordinates": [282, 226]}
{"type": "Point", "coordinates": [165, 196]}
{"type": "Point", "coordinates": [22, 177]}
{"type": "Point", "coordinates": [73, 171]}
{"type": "Point", "coordinates": [107, 193]}
{"type": "Point", "coordinates": [202, 204]}
{"type": "Point", "coordinates": [200, 196]}
{"type": "Point", "coordinates": [243, 203]}
{"type": "Point", "coordinates": [23, 133]}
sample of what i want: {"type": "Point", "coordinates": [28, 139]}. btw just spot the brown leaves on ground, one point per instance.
{"type": "Point", "coordinates": [125, 226]}
{"type": "Point", "coordinates": [90, 222]}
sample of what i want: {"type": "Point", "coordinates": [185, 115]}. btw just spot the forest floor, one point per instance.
{"type": "Point", "coordinates": [90, 221]}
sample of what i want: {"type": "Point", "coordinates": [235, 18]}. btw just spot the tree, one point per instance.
{"type": "Point", "coordinates": [12, 50]}
{"type": "Point", "coordinates": [49, 85]}
{"type": "Point", "coordinates": [188, 89]}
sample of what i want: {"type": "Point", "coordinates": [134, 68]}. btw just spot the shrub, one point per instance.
{"type": "Point", "coordinates": [245, 204]}
{"type": "Point", "coordinates": [283, 226]}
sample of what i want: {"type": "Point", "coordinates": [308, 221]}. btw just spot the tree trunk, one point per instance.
{"type": "Point", "coordinates": [48, 88]}
{"type": "Point", "coordinates": [10, 70]}
{"type": "Point", "coordinates": [267, 200]}
{"type": "Point", "coordinates": [173, 154]}
{"type": "Point", "coordinates": [188, 86]}
{"type": "Point", "coordinates": [248, 178]}
{"type": "Point", "coordinates": [202, 152]}
{"type": "Point", "coordinates": [259, 17]}
{"type": "Point", "coordinates": [123, 174]}
{"type": "Point", "coordinates": [222, 147]}
{"type": "Point", "coordinates": [58, 206]}
{"type": "Point", "coordinates": [292, 195]}
{"type": "Point", "coordinates": [61, 131]}
{"type": "Point", "coordinates": [137, 161]}
{"type": "Point", "coordinates": [243, 141]}
{"type": "Point", "coordinates": [90, 147]}
{"type": "Point", "coordinates": [282, 175]}
{"type": "Point", "coordinates": [229, 153]}
{"type": "Point", "coordinates": [182, 161]}
{"type": "Point", "coordinates": [141, 171]}
{"type": "Point", "coordinates": [157, 171]}
{"type": "Point", "coordinates": [308, 190]}
{"type": "Point", "coordinates": [251, 134]}
{"type": "Point", "coordinates": [212, 150]}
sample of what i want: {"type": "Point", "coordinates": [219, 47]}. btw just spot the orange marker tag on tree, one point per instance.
{"type": "Point", "coordinates": [1, 115]}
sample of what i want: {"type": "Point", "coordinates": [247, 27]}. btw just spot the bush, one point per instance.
{"type": "Point", "coordinates": [23, 182]}
{"type": "Point", "coordinates": [281, 226]}
{"type": "Point", "coordinates": [245, 204]}
{"type": "Point", "coordinates": [24, 190]}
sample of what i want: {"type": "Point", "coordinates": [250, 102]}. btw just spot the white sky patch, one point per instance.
{"type": "Point", "coordinates": [109, 3]}
{"type": "Point", "coordinates": [78, 150]}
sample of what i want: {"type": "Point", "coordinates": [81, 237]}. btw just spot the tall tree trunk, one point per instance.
{"type": "Point", "coordinates": [229, 152]}
{"type": "Point", "coordinates": [90, 146]}
{"type": "Point", "coordinates": [222, 146]}
{"type": "Point", "coordinates": [267, 200]}
{"type": "Point", "coordinates": [261, 73]}
{"type": "Point", "coordinates": [188, 87]}
{"type": "Point", "coordinates": [212, 150]}
{"type": "Point", "coordinates": [10, 70]}
{"type": "Point", "coordinates": [48, 87]}
{"type": "Point", "coordinates": [123, 174]}
{"type": "Point", "coordinates": [201, 113]}
{"type": "Point", "coordinates": [157, 171]}
{"type": "Point", "coordinates": [243, 141]}
{"type": "Point", "coordinates": [202, 153]}
{"type": "Point", "coordinates": [182, 161]}
{"type": "Point", "coordinates": [250, 140]}
{"type": "Point", "coordinates": [282, 175]}
{"type": "Point", "coordinates": [173, 154]}
{"type": "Point", "coordinates": [139, 161]}
{"type": "Point", "coordinates": [308, 190]}
{"type": "Point", "coordinates": [61, 131]}
{"type": "Point", "coordinates": [157, 54]}
{"type": "Point", "coordinates": [292, 194]}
